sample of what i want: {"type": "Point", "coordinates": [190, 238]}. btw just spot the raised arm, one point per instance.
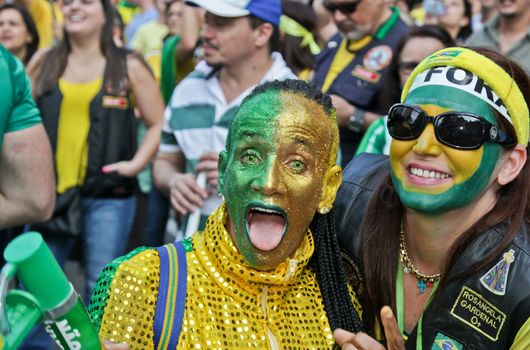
{"type": "Point", "coordinates": [191, 23]}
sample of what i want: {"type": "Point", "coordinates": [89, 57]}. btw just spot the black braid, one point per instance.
{"type": "Point", "coordinates": [331, 275]}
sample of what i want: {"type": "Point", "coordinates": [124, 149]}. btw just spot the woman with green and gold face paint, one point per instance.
{"type": "Point", "coordinates": [266, 271]}
{"type": "Point", "coordinates": [440, 229]}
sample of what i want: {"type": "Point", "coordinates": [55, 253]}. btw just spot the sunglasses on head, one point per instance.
{"type": "Point", "coordinates": [454, 129]}
{"type": "Point", "coordinates": [344, 8]}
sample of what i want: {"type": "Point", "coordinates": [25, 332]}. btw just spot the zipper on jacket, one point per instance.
{"type": "Point", "coordinates": [273, 342]}
{"type": "Point", "coordinates": [293, 263]}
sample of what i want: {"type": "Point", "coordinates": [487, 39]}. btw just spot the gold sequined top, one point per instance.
{"type": "Point", "coordinates": [228, 304]}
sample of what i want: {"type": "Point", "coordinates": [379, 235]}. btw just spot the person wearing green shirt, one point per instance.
{"type": "Point", "coordinates": [27, 188]}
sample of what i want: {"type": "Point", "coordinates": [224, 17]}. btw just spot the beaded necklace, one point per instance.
{"type": "Point", "coordinates": [424, 281]}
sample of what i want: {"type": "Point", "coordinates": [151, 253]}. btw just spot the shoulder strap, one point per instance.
{"type": "Point", "coordinates": [171, 299]}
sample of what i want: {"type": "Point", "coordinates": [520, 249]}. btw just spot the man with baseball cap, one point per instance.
{"type": "Point", "coordinates": [267, 10]}
{"type": "Point", "coordinates": [238, 39]}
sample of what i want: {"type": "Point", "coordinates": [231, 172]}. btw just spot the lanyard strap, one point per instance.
{"type": "Point", "coordinates": [400, 305]}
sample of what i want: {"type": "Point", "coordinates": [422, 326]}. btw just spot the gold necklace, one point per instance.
{"type": "Point", "coordinates": [424, 281]}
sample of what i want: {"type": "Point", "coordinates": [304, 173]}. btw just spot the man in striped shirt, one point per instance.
{"type": "Point", "coordinates": [238, 43]}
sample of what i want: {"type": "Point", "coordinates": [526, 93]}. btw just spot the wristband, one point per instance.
{"type": "Point", "coordinates": [356, 121]}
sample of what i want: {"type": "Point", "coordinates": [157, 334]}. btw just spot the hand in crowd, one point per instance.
{"type": "Point", "coordinates": [125, 168]}
{"type": "Point", "coordinates": [116, 346]}
{"type": "Point", "coordinates": [208, 164]}
{"type": "Point", "coordinates": [185, 193]}
{"type": "Point", "coordinates": [362, 341]}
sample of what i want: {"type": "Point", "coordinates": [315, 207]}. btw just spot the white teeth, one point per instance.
{"type": "Point", "coordinates": [428, 174]}
{"type": "Point", "coordinates": [75, 17]}
{"type": "Point", "coordinates": [265, 210]}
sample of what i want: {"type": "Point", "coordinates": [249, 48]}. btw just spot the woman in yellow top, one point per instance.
{"type": "Point", "coordinates": [86, 89]}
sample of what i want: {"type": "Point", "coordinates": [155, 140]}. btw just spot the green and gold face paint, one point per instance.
{"type": "Point", "coordinates": [273, 173]}
{"type": "Point", "coordinates": [431, 177]}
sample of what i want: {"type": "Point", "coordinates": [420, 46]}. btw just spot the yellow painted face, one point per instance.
{"type": "Point", "coordinates": [434, 178]}
{"type": "Point", "coordinates": [460, 165]}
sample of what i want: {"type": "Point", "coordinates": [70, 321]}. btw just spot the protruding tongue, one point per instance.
{"type": "Point", "coordinates": [265, 230]}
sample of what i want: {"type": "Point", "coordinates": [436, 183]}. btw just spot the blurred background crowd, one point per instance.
{"type": "Point", "coordinates": [137, 95]}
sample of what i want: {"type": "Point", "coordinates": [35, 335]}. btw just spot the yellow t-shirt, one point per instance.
{"type": "Point", "coordinates": [148, 42]}
{"type": "Point", "coordinates": [342, 58]}
{"type": "Point", "coordinates": [71, 154]}
{"type": "Point", "coordinates": [41, 12]}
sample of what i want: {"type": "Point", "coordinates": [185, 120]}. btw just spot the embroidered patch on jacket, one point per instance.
{"type": "Point", "coordinates": [377, 58]}
{"type": "Point", "coordinates": [115, 102]}
{"type": "Point", "coordinates": [443, 342]}
{"type": "Point", "coordinates": [366, 74]}
{"type": "Point", "coordinates": [496, 278]}
{"type": "Point", "coordinates": [332, 44]}
{"type": "Point", "coordinates": [478, 313]}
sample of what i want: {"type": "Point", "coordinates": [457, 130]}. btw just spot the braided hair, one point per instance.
{"type": "Point", "coordinates": [331, 275]}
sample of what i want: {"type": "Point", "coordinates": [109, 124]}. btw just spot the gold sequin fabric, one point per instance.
{"type": "Point", "coordinates": [231, 306]}
{"type": "Point", "coordinates": [129, 306]}
{"type": "Point", "coordinates": [228, 304]}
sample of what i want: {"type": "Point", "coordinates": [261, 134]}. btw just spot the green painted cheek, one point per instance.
{"type": "Point", "coordinates": [457, 196]}
{"type": "Point", "coordinates": [238, 194]}
{"type": "Point", "coordinates": [255, 115]}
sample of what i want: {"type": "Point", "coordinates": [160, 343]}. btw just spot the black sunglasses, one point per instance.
{"type": "Point", "coordinates": [344, 8]}
{"type": "Point", "coordinates": [454, 129]}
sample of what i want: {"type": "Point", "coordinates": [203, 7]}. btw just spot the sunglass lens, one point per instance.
{"type": "Point", "coordinates": [345, 8]}
{"type": "Point", "coordinates": [404, 123]}
{"type": "Point", "coordinates": [460, 131]}
{"type": "Point", "coordinates": [349, 8]}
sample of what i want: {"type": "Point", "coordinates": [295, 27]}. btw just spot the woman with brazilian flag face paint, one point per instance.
{"type": "Point", "coordinates": [257, 276]}
{"type": "Point", "coordinates": [440, 230]}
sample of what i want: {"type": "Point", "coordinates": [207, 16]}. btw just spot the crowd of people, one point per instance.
{"type": "Point", "coordinates": [141, 122]}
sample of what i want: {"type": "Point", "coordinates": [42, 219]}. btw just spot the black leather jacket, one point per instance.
{"type": "Point", "coordinates": [465, 311]}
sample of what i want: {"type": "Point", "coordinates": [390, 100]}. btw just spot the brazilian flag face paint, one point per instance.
{"type": "Point", "coordinates": [272, 174]}
{"type": "Point", "coordinates": [433, 178]}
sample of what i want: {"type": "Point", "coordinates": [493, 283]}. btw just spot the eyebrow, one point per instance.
{"type": "Point", "coordinates": [301, 140]}
{"type": "Point", "coordinates": [249, 133]}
